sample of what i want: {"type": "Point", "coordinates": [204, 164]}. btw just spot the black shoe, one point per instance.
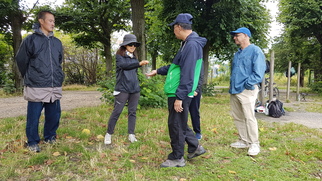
{"type": "Point", "coordinates": [34, 148]}
{"type": "Point", "coordinates": [200, 150]}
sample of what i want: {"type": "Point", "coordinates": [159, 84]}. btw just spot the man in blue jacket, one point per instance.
{"type": "Point", "coordinates": [248, 68]}
{"type": "Point", "coordinates": [39, 60]}
{"type": "Point", "coordinates": [181, 82]}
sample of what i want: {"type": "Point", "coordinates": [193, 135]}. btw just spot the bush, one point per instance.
{"type": "Point", "coordinates": [316, 87]}
{"type": "Point", "coordinates": [152, 94]}
{"type": "Point", "coordinates": [107, 88]}
{"type": "Point", "coordinates": [209, 89]}
{"type": "Point", "coordinates": [9, 86]}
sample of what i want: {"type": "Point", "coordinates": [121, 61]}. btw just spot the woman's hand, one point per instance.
{"type": "Point", "coordinates": [143, 62]}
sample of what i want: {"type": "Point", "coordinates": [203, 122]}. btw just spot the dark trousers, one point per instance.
{"type": "Point", "coordinates": [179, 131]}
{"type": "Point", "coordinates": [194, 113]}
{"type": "Point", "coordinates": [119, 103]}
{"type": "Point", "coordinates": [52, 116]}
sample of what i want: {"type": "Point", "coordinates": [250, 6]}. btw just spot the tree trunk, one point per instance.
{"type": "Point", "coordinates": [108, 60]}
{"type": "Point", "coordinates": [206, 63]}
{"type": "Point", "coordinates": [138, 28]}
{"type": "Point", "coordinates": [154, 56]}
{"type": "Point", "coordinates": [16, 18]}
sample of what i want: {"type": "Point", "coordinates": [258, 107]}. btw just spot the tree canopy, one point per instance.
{"type": "Point", "coordinates": [303, 32]}
{"type": "Point", "coordinates": [94, 21]}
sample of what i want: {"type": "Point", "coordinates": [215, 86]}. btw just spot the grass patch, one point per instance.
{"type": "Point", "coordinates": [288, 152]}
{"type": "Point", "coordinates": [74, 87]}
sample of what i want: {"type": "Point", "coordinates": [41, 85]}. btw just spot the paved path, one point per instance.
{"type": "Point", "coordinates": [309, 119]}
{"type": "Point", "coordinates": [17, 106]}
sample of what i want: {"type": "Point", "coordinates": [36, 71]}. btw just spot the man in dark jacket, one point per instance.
{"type": "Point", "coordinates": [39, 60]}
{"type": "Point", "coordinates": [181, 82]}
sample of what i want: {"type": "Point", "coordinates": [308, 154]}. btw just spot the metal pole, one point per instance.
{"type": "Point", "coordinates": [271, 75]}
{"type": "Point", "coordinates": [298, 98]}
{"type": "Point", "coordinates": [288, 80]}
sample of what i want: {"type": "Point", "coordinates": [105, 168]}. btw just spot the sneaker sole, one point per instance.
{"type": "Point", "coordinates": [163, 166]}
{"type": "Point", "coordinates": [195, 155]}
{"type": "Point", "coordinates": [239, 146]}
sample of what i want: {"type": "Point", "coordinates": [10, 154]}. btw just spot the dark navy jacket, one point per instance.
{"type": "Point", "coordinates": [127, 74]}
{"type": "Point", "coordinates": [39, 60]}
{"type": "Point", "coordinates": [190, 52]}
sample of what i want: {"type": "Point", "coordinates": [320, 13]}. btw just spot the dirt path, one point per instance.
{"type": "Point", "coordinates": [17, 106]}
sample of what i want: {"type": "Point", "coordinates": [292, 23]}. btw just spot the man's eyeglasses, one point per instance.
{"type": "Point", "coordinates": [133, 44]}
{"type": "Point", "coordinates": [237, 35]}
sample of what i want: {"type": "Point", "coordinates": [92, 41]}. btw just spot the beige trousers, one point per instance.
{"type": "Point", "coordinates": [243, 112]}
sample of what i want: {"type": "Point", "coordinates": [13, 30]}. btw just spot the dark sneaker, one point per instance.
{"type": "Point", "coordinates": [198, 136]}
{"type": "Point", "coordinates": [53, 141]}
{"type": "Point", "coordinates": [174, 163]}
{"type": "Point", "coordinates": [34, 148]}
{"type": "Point", "coordinates": [200, 150]}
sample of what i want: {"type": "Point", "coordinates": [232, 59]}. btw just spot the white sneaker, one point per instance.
{"type": "Point", "coordinates": [108, 139]}
{"type": "Point", "coordinates": [239, 144]}
{"type": "Point", "coordinates": [253, 150]}
{"type": "Point", "coordinates": [132, 138]}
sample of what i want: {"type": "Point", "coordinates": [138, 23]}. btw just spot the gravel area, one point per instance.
{"type": "Point", "coordinates": [17, 106]}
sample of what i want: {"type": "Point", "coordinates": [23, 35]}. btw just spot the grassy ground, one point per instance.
{"type": "Point", "coordinates": [288, 152]}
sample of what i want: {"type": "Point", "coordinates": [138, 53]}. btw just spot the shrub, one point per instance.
{"type": "Point", "coordinates": [152, 94]}
{"type": "Point", "coordinates": [316, 87]}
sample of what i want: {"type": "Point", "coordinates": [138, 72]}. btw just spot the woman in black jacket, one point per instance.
{"type": "Point", "coordinates": [127, 88]}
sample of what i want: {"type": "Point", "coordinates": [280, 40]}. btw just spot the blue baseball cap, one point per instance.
{"type": "Point", "coordinates": [242, 30]}
{"type": "Point", "coordinates": [182, 18]}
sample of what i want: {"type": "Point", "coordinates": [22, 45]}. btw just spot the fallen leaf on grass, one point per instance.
{"type": "Point", "coordinates": [103, 155]}
{"type": "Point", "coordinates": [309, 152]}
{"type": "Point", "coordinates": [56, 153]}
{"type": "Point", "coordinates": [273, 148]}
{"type": "Point", "coordinates": [206, 156]}
{"type": "Point", "coordinates": [182, 179]}
{"type": "Point", "coordinates": [144, 158]}
{"type": "Point", "coordinates": [49, 162]}
{"type": "Point", "coordinates": [230, 171]}
{"type": "Point", "coordinates": [214, 130]}
{"type": "Point", "coordinates": [132, 161]}
{"type": "Point", "coordinates": [261, 129]}
{"type": "Point", "coordinates": [100, 137]}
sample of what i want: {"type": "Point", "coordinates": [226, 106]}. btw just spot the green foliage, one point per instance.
{"type": "Point", "coordinates": [209, 89]}
{"type": "Point", "coordinates": [303, 37]}
{"type": "Point", "coordinates": [152, 94]}
{"type": "Point", "coordinates": [107, 89]}
{"type": "Point", "coordinates": [9, 86]}
{"type": "Point", "coordinates": [316, 87]}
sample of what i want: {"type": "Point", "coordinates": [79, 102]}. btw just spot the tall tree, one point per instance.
{"type": "Point", "coordinates": [303, 19]}
{"type": "Point", "coordinates": [214, 19]}
{"type": "Point", "coordinates": [12, 17]}
{"type": "Point", "coordinates": [138, 22]}
{"type": "Point", "coordinates": [94, 21]}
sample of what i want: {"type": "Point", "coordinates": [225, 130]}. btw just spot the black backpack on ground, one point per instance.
{"type": "Point", "coordinates": [275, 109]}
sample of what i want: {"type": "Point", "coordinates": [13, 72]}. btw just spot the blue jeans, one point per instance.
{"type": "Point", "coordinates": [52, 116]}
